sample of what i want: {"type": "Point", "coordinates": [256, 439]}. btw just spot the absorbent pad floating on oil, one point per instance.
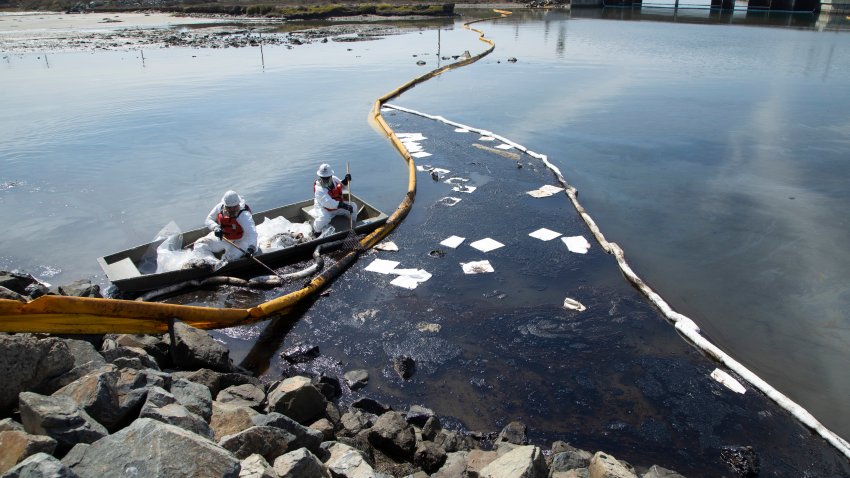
{"type": "Point", "coordinates": [476, 267]}
{"type": "Point", "coordinates": [449, 201]}
{"type": "Point", "coordinates": [464, 189]}
{"type": "Point", "coordinates": [410, 136]}
{"type": "Point", "coordinates": [577, 244]}
{"type": "Point", "coordinates": [387, 246]}
{"type": "Point", "coordinates": [453, 241]}
{"type": "Point", "coordinates": [504, 146]}
{"type": "Point", "coordinates": [487, 244]}
{"type": "Point", "coordinates": [572, 304]}
{"type": "Point", "coordinates": [727, 381]}
{"type": "Point", "coordinates": [409, 278]}
{"type": "Point", "coordinates": [544, 234]}
{"type": "Point", "coordinates": [382, 266]}
{"type": "Point", "coordinates": [420, 154]}
{"type": "Point", "coordinates": [545, 191]}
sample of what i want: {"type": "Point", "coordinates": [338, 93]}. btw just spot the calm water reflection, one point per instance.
{"type": "Point", "coordinates": [715, 153]}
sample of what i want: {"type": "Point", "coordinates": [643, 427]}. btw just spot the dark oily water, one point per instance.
{"type": "Point", "coordinates": [496, 347]}
{"type": "Point", "coordinates": [714, 154]}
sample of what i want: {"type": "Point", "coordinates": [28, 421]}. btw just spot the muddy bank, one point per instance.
{"type": "Point", "coordinates": [57, 32]}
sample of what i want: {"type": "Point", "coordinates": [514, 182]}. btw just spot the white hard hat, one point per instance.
{"type": "Point", "coordinates": [325, 171]}
{"type": "Point", "coordinates": [230, 199]}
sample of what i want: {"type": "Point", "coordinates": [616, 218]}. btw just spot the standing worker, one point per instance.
{"type": "Point", "coordinates": [327, 198]}
{"type": "Point", "coordinates": [230, 219]}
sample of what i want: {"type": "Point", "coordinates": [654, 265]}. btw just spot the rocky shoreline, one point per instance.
{"type": "Point", "coordinates": [134, 404]}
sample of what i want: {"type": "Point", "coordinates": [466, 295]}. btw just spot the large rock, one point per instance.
{"type": "Point", "coordinates": [97, 394]}
{"type": "Point", "coordinates": [245, 394]}
{"type": "Point", "coordinates": [133, 386]}
{"type": "Point", "coordinates": [196, 349]}
{"type": "Point", "coordinates": [162, 406]}
{"type": "Point", "coordinates": [11, 295]}
{"type": "Point", "coordinates": [570, 459]}
{"type": "Point", "coordinates": [454, 466]}
{"type": "Point", "coordinates": [130, 357]}
{"type": "Point", "coordinates": [304, 437]}
{"type": "Point", "coordinates": [603, 465]}
{"type": "Point", "coordinates": [151, 344]}
{"type": "Point", "coordinates": [59, 418]}
{"type": "Point", "coordinates": [86, 360]}
{"type": "Point", "coordinates": [216, 381]}
{"type": "Point", "coordinates": [393, 435]}
{"type": "Point", "coordinates": [355, 421]}
{"type": "Point", "coordinates": [80, 288]}
{"type": "Point", "coordinates": [153, 449]}
{"type": "Point", "coordinates": [656, 471]}
{"type": "Point", "coordinates": [270, 442]}
{"type": "Point", "coordinates": [522, 462]}
{"type": "Point", "coordinates": [477, 460]}
{"type": "Point", "coordinates": [515, 433]}
{"type": "Point", "coordinates": [194, 396]}
{"type": "Point", "coordinates": [26, 363]}
{"type": "Point", "coordinates": [229, 419]}
{"type": "Point", "coordinates": [255, 466]}
{"type": "Point", "coordinates": [16, 282]}
{"type": "Point", "coordinates": [298, 399]}
{"type": "Point", "coordinates": [40, 465]}
{"type": "Point", "coordinates": [300, 464]}
{"type": "Point", "coordinates": [429, 456]}
{"type": "Point", "coordinates": [16, 446]}
{"type": "Point", "coordinates": [7, 424]}
{"type": "Point", "coordinates": [345, 461]}
{"type": "Point", "coordinates": [113, 397]}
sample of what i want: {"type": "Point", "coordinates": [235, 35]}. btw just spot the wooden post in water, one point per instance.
{"type": "Point", "coordinates": [262, 57]}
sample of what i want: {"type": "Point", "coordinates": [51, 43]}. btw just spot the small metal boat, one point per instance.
{"type": "Point", "coordinates": [122, 268]}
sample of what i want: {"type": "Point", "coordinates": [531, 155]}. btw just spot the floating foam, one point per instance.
{"type": "Point", "coordinates": [449, 201]}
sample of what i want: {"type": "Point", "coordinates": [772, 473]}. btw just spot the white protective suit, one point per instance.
{"type": "Point", "coordinates": [325, 207]}
{"type": "Point", "coordinates": [214, 245]}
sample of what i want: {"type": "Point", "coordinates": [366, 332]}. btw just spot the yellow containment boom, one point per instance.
{"type": "Point", "coordinates": [84, 315]}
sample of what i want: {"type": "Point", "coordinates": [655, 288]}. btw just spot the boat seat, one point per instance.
{"type": "Point", "coordinates": [123, 269]}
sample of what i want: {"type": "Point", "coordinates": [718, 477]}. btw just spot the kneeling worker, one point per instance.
{"type": "Point", "coordinates": [327, 198]}
{"type": "Point", "coordinates": [230, 219]}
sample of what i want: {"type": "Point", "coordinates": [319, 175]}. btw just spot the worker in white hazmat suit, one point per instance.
{"type": "Point", "coordinates": [231, 220]}
{"type": "Point", "coordinates": [327, 198]}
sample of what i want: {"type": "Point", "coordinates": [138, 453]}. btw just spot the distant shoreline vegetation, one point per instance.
{"type": "Point", "coordinates": [295, 10]}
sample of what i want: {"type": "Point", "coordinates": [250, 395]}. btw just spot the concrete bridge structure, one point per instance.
{"type": "Point", "coordinates": [808, 6]}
